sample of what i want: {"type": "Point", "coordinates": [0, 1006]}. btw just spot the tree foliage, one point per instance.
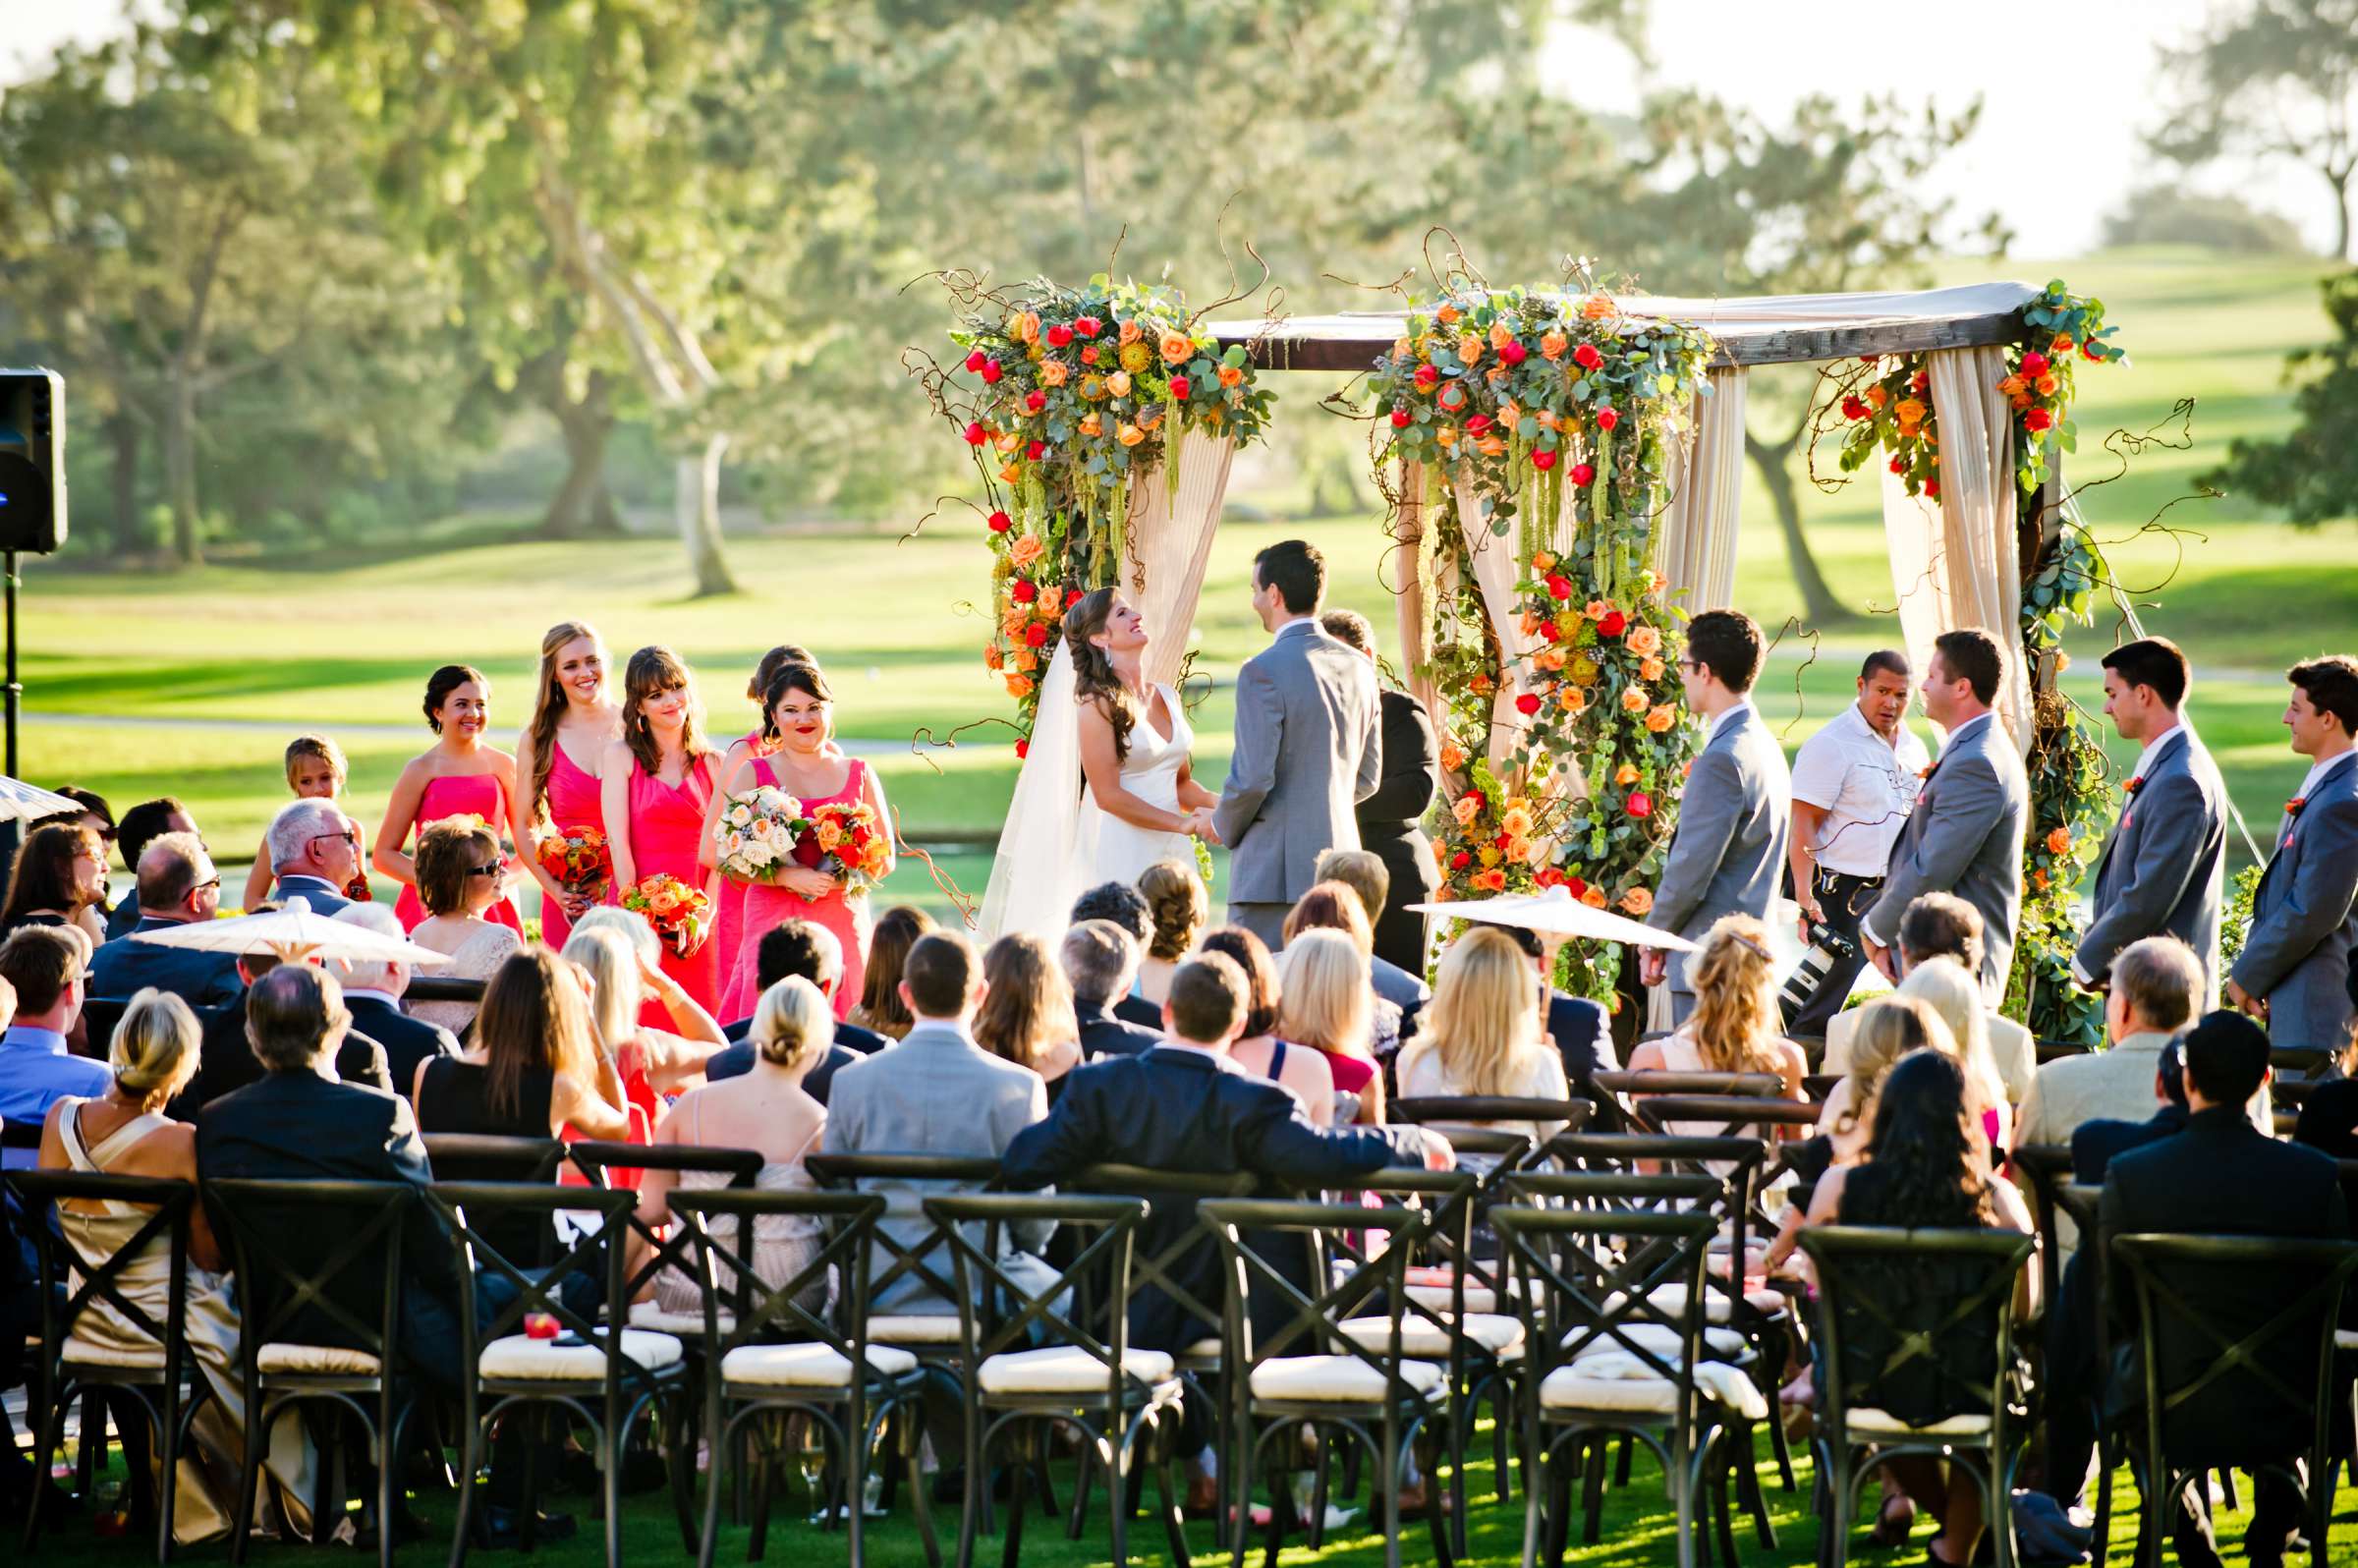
{"type": "Point", "coordinates": [2313, 472]}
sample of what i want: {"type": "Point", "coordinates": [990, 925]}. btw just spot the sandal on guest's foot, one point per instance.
{"type": "Point", "coordinates": [1892, 1522]}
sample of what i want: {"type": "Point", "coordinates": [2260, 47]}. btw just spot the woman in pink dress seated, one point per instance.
{"type": "Point", "coordinates": [654, 785]}
{"type": "Point", "coordinates": [574, 715]}
{"type": "Point", "coordinates": [458, 776]}
{"type": "Point", "coordinates": [797, 719]}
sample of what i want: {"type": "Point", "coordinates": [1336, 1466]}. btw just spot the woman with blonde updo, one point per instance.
{"type": "Point", "coordinates": [1481, 1033]}
{"type": "Point", "coordinates": [767, 1109]}
{"type": "Point", "coordinates": [125, 1131]}
{"type": "Point", "coordinates": [1734, 1027]}
{"type": "Point", "coordinates": [1179, 906]}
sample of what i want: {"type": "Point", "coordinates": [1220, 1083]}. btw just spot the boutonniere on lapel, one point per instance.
{"type": "Point", "coordinates": [2134, 785]}
{"type": "Point", "coordinates": [2292, 808]}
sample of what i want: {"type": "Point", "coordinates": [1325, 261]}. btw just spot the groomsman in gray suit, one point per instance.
{"type": "Point", "coordinates": [1738, 811]}
{"type": "Point", "coordinates": [1307, 750]}
{"type": "Point", "coordinates": [1965, 835]}
{"type": "Point", "coordinates": [2162, 869]}
{"type": "Point", "coordinates": [2295, 966]}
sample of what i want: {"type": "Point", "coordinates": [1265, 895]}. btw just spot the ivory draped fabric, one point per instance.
{"type": "Point", "coordinates": [1695, 548]}
{"type": "Point", "coordinates": [1956, 562]}
{"type": "Point", "coordinates": [1170, 540]}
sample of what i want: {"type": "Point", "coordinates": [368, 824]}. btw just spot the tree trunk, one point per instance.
{"type": "Point", "coordinates": [122, 433]}
{"type": "Point", "coordinates": [583, 505]}
{"type": "Point", "coordinates": [179, 468]}
{"type": "Point", "coordinates": [1775, 463]}
{"type": "Point", "coordinates": [695, 507]}
{"type": "Point", "coordinates": [2342, 212]}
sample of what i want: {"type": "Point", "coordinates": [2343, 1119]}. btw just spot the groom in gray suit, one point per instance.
{"type": "Point", "coordinates": [1965, 835]}
{"type": "Point", "coordinates": [1737, 810]}
{"type": "Point", "coordinates": [2295, 965]}
{"type": "Point", "coordinates": [2162, 871]}
{"type": "Point", "coordinates": [1306, 746]}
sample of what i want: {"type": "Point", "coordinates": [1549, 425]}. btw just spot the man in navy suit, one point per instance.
{"type": "Point", "coordinates": [178, 886]}
{"type": "Point", "coordinates": [797, 947]}
{"type": "Point", "coordinates": [1126, 906]}
{"type": "Point", "coordinates": [316, 854]}
{"type": "Point", "coordinates": [1100, 961]}
{"type": "Point", "coordinates": [372, 996]}
{"type": "Point", "coordinates": [140, 827]}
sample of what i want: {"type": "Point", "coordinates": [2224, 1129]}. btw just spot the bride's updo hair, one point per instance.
{"type": "Point", "coordinates": [804, 676]}
{"type": "Point", "coordinates": [1094, 678]}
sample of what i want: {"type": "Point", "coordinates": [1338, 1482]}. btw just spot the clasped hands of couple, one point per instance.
{"type": "Point", "coordinates": [1198, 825]}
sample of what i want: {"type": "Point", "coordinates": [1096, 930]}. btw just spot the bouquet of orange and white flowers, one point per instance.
{"type": "Point", "coordinates": [681, 915]}
{"type": "Point", "coordinates": [579, 860]}
{"type": "Point", "coordinates": [757, 832]}
{"type": "Point", "coordinates": [851, 842]}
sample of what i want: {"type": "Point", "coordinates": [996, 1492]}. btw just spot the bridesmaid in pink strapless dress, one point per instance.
{"type": "Point", "coordinates": [461, 794]}
{"type": "Point", "coordinates": [729, 930]}
{"type": "Point", "coordinates": [573, 805]}
{"type": "Point", "coordinates": [574, 715]}
{"type": "Point", "coordinates": [767, 906]}
{"type": "Point", "coordinates": [667, 832]}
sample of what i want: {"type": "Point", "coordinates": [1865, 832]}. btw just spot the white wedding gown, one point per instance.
{"type": "Point", "coordinates": [1115, 851]}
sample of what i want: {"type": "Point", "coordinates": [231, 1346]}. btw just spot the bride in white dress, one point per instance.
{"type": "Point", "coordinates": [1108, 788]}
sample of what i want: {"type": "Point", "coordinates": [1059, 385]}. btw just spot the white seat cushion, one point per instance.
{"type": "Point", "coordinates": [1620, 1380]}
{"type": "Point", "coordinates": [1337, 1379]}
{"type": "Point", "coordinates": [1871, 1422]}
{"type": "Point", "coordinates": [1490, 1332]}
{"type": "Point", "coordinates": [331, 1361]}
{"type": "Point", "coordinates": [1437, 1298]}
{"type": "Point", "coordinates": [1662, 1340]}
{"type": "Point", "coordinates": [1203, 1353]}
{"type": "Point", "coordinates": [1064, 1370]}
{"type": "Point", "coordinates": [141, 1356]}
{"type": "Point", "coordinates": [1672, 1300]}
{"type": "Point", "coordinates": [647, 1314]}
{"type": "Point", "coordinates": [810, 1365]}
{"type": "Point", "coordinates": [913, 1329]}
{"type": "Point", "coordinates": [2345, 1339]}
{"type": "Point", "coordinates": [521, 1356]}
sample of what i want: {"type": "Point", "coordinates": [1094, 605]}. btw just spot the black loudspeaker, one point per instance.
{"type": "Point", "coordinates": [33, 460]}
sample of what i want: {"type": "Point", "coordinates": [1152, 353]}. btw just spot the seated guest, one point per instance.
{"type": "Point", "coordinates": [125, 1133]}
{"type": "Point", "coordinates": [460, 881]}
{"type": "Point", "coordinates": [1299, 1071]}
{"type": "Point", "coordinates": [623, 974]}
{"type": "Point", "coordinates": [40, 968]}
{"type": "Point", "coordinates": [1323, 1003]}
{"type": "Point", "coordinates": [178, 886]}
{"type": "Point", "coordinates": [1735, 1026]}
{"type": "Point", "coordinates": [881, 1008]}
{"type": "Point", "coordinates": [1480, 1034]}
{"type": "Point", "coordinates": [229, 1061]}
{"type": "Point", "coordinates": [1581, 1029]}
{"type": "Point", "coordinates": [59, 878]}
{"type": "Point", "coordinates": [766, 1110]}
{"type": "Point", "coordinates": [2094, 1143]}
{"type": "Point", "coordinates": [935, 1092]}
{"type": "Point", "coordinates": [1949, 988]}
{"type": "Point", "coordinates": [535, 1069]}
{"type": "Point", "coordinates": [140, 827]}
{"type": "Point", "coordinates": [1944, 925]}
{"type": "Point", "coordinates": [1123, 905]}
{"type": "Point", "coordinates": [314, 853]}
{"type": "Point", "coordinates": [99, 819]}
{"type": "Point", "coordinates": [1178, 906]}
{"type": "Point", "coordinates": [1334, 907]}
{"type": "Point", "coordinates": [2156, 984]}
{"type": "Point", "coordinates": [2223, 1177]}
{"type": "Point", "coordinates": [372, 996]}
{"type": "Point", "coordinates": [1100, 959]}
{"type": "Point", "coordinates": [1370, 881]}
{"type": "Point", "coordinates": [797, 947]}
{"type": "Point", "coordinates": [1027, 1014]}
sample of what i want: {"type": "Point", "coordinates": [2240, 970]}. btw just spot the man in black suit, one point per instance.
{"type": "Point", "coordinates": [1125, 906]}
{"type": "Point", "coordinates": [1182, 1107]}
{"type": "Point", "coordinates": [178, 886]}
{"type": "Point", "coordinates": [314, 853]}
{"type": "Point", "coordinates": [227, 1062]}
{"type": "Point", "coordinates": [2220, 1176]}
{"type": "Point", "coordinates": [372, 994]}
{"type": "Point", "coordinates": [300, 1123]}
{"type": "Point", "coordinates": [797, 947]}
{"type": "Point", "coordinates": [1100, 960]}
{"type": "Point", "coordinates": [1388, 818]}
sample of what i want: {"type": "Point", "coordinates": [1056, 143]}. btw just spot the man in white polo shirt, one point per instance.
{"type": "Point", "coordinates": [1854, 784]}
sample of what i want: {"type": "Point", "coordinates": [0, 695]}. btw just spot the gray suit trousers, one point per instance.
{"type": "Point", "coordinates": [1265, 921]}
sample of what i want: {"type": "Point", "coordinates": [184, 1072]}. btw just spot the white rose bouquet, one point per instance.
{"type": "Point", "coordinates": [756, 833]}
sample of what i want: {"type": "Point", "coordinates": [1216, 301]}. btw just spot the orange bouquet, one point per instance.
{"type": "Point", "coordinates": [851, 842]}
{"type": "Point", "coordinates": [682, 916]}
{"type": "Point", "coordinates": [579, 860]}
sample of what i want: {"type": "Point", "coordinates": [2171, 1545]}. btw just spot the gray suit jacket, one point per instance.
{"type": "Point", "coordinates": [1729, 847]}
{"type": "Point", "coordinates": [2304, 929]}
{"type": "Point", "coordinates": [1307, 753]}
{"type": "Point", "coordinates": [2162, 869]}
{"type": "Point", "coordinates": [935, 1092]}
{"type": "Point", "coordinates": [1965, 837]}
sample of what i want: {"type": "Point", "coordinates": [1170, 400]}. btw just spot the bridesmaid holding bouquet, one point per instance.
{"type": "Point", "coordinates": [823, 884]}
{"type": "Point", "coordinates": [574, 715]}
{"type": "Point", "coordinates": [729, 908]}
{"type": "Point", "coordinates": [655, 788]}
{"type": "Point", "coordinates": [459, 776]}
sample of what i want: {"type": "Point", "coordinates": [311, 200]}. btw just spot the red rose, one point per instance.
{"type": "Point", "coordinates": [1001, 522]}
{"type": "Point", "coordinates": [1036, 450]}
{"type": "Point", "coordinates": [1461, 860]}
{"type": "Point", "coordinates": [1528, 703]}
{"type": "Point", "coordinates": [1543, 460]}
{"type": "Point", "coordinates": [1512, 352]}
{"type": "Point", "coordinates": [1639, 804]}
{"type": "Point", "coordinates": [1402, 419]}
{"type": "Point", "coordinates": [2038, 420]}
{"type": "Point", "coordinates": [991, 373]}
{"type": "Point", "coordinates": [1426, 377]}
{"type": "Point", "coordinates": [1022, 749]}
{"type": "Point", "coordinates": [1932, 487]}
{"type": "Point", "coordinates": [1606, 418]}
{"type": "Point", "coordinates": [1501, 842]}
{"type": "Point", "coordinates": [1036, 635]}
{"type": "Point", "coordinates": [976, 360]}
{"type": "Point", "coordinates": [1060, 337]}
{"type": "Point", "coordinates": [1869, 359]}
{"type": "Point", "coordinates": [975, 436]}
{"type": "Point", "coordinates": [1477, 424]}
{"type": "Point", "coordinates": [1587, 356]}
{"type": "Point", "coordinates": [1033, 401]}
{"type": "Point", "coordinates": [1853, 408]}
{"type": "Point", "coordinates": [1476, 797]}
{"type": "Point", "coordinates": [2034, 364]}
{"type": "Point", "coordinates": [1547, 630]}
{"type": "Point", "coordinates": [1898, 466]}
{"type": "Point", "coordinates": [1614, 623]}
{"type": "Point", "coordinates": [1921, 381]}
{"type": "Point", "coordinates": [1575, 886]}
{"type": "Point", "coordinates": [2093, 349]}
{"type": "Point", "coordinates": [1559, 587]}
{"type": "Point", "coordinates": [1089, 326]}
{"type": "Point", "coordinates": [1452, 396]}
{"type": "Point", "coordinates": [1180, 387]}
{"type": "Point", "coordinates": [1072, 597]}
{"type": "Point", "coordinates": [1024, 593]}
{"type": "Point", "coordinates": [1584, 475]}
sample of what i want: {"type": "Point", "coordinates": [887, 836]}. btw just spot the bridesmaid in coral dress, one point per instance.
{"type": "Point", "coordinates": [798, 719]}
{"type": "Point", "coordinates": [654, 787]}
{"type": "Point", "coordinates": [574, 716]}
{"type": "Point", "coordinates": [729, 927]}
{"type": "Point", "coordinates": [458, 776]}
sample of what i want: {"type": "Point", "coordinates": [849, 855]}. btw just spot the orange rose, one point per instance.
{"type": "Point", "coordinates": [1131, 332]}
{"type": "Point", "coordinates": [1596, 308]}
{"type": "Point", "coordinates": [2061, 345]}
{"type": "Point", "coordinates": [1176, 346]}
{"type": "Point", "coordinates": [830, 835]}
{"type": "Point", "coordinates": [1597, 610]}
{"type": "Point", "coordinates": [1542, 560]}
{"type": "Point", "coordinates": [1453, 755]}
{"type": "Point", "coordinates": [1550, 660]}
{"type": "Point", "coordinates": [1469, 350]}
{"type": "Point", "coordinates": [1053, 372]}
{"type": "Point", "coordinates": [1026, 549]}
{"type": "Point", "coordinates": [2059, 842]}
{"type": "Point", "coordinates": [1092, 426]}
{"type": "Point", "coordinates": [1571, 698]}
{"type": "Point", "coordinates": [1027, 326]}
{"type": "Point", "coordinates": [1662, 718]}
{"type": "Point", "coordinates": [1230, 376]}
{"type": "Point", "coordinates": [1019, 686]}
{"type": "Point", "coordinates": [2039, 880]}
{"type": "Point", "coordinates": [1645, 640]}
{"type": "Point", "coordinates": [2010, 385]}
{"type": "Point", "coordinates": [1025, 659]}
{"type": "Point", "coordinates": [1446, 315]}
{"type": "Point", "coordinates": [1492, 880]}
{"type": "Point", "coordinates": [1118, 384]}
{"type": "Point", "coordinates": [2047, 384]}
{"type": "Point", "coordinates": [1446, 434]}
{"type": "Point", "coordinates": [1010, 441]}
{"type": "Point", "coordinates": [1638, 901]}
{"type": "Point", "coordinates": [1594, 897]}
{"type": "Point", "coordinates": [1878, 394]}
{"type": "Point", "coordinates": [1129, 435]}
{"type": "Point", "coordinates": [991, 656]}
{"type": "Point", "coordinates": [1465, 809]}
{"type": "Point", "coordinates": [1626, 775]}
{"type": "Point", "coordinates": [1633, 700]}
{"type": "Point", "coordinates": [1501, 334]}
{"type": "Point", "coordinates": [1490, 446]}
{"type": "Point", "coordinates": [1649, 669]}
{"type": "Point", "coordinates": [1552, 346]}
{"type": "Point", "coordinates": [1910, 410]}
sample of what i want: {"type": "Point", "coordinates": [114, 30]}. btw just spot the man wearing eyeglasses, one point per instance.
{"type": "Point", "coordinates": [178, 886]}
{"type": "Point", "coordinates": [316, 853]}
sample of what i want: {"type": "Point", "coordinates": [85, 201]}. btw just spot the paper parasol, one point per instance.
{"type": "Point", "coordinates": [1556, 913]}
{"type": "Point", "coordinates": [21, 801]}
{"type": "Point", "coordinates": [294, 932]}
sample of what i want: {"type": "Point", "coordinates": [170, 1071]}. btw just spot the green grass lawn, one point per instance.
{"type": "Point", "coordinates": [345, 638]}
